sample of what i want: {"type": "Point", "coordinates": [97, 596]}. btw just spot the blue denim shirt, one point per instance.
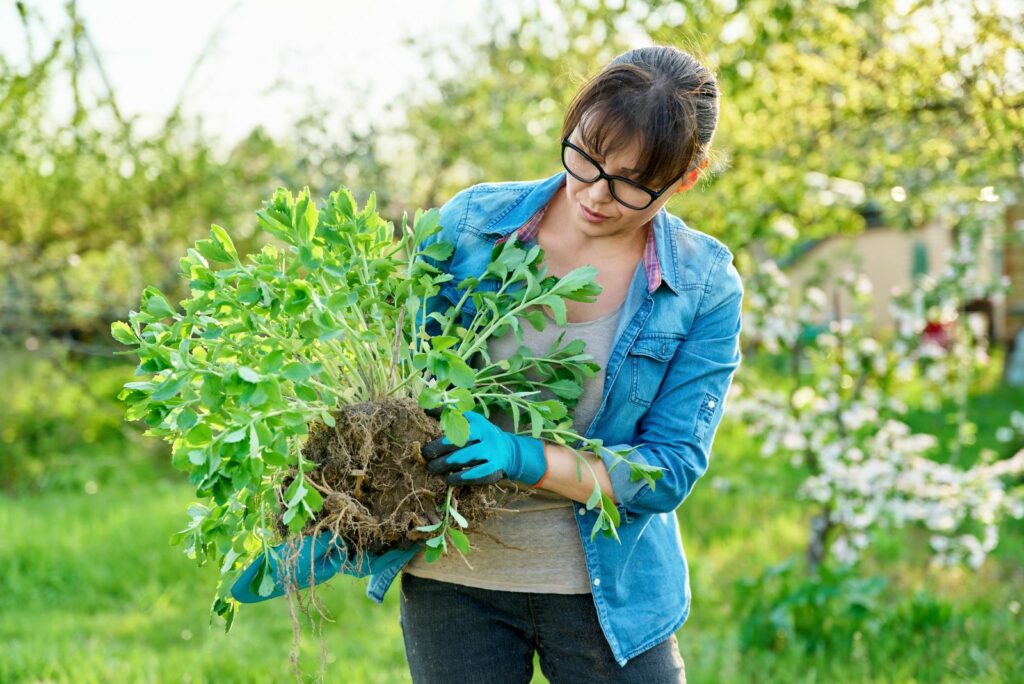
{"type": "Point", "coordinates": [674, 354]}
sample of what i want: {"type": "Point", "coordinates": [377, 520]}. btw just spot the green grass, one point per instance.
{"type": "Point", "coordinates": [90, 590]}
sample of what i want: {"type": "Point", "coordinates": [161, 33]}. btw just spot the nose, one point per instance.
{"type": "Point", "coordinates": [599, 193]}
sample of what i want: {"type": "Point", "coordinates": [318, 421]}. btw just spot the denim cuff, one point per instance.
{"type": "Point", "coordinates": [626, 491]}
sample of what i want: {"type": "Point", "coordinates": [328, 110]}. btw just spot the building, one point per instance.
{"type": "Point", "coordinates": [893, 258]}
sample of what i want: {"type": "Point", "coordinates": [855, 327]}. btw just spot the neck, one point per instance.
{"type": "Point", "coordinates": [628, 241]}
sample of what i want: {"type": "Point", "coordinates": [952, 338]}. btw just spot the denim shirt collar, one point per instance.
{"type": "Point", "coordinates": [539, 193]}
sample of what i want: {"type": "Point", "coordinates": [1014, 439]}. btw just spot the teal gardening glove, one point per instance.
{"type": "Point", "coordinates": [327, 560]}
{"type": "Point", "coordinates": [490, 454]}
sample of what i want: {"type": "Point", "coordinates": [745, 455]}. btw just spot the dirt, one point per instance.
{"type": "Point", "coordinates": [376, 491]}
{"type": "Point", "coordinates": [374, 481]}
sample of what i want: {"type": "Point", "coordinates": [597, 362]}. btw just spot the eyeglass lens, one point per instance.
{"type": "Point", "coordinates": [584, 170]}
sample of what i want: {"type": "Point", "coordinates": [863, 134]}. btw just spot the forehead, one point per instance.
{"type": "Point", "coordinates": [617, 149]}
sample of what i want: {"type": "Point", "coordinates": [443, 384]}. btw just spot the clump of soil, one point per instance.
{"type": "Point", "coordinates": [374, 481]}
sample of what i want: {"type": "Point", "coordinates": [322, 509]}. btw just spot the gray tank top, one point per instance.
{"type": "Point", "coordinates": [539, 548]}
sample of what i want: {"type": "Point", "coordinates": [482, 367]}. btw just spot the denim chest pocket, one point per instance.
{"type": "Point", "coordinates": [648, 361]}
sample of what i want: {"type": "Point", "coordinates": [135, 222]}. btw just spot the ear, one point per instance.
{"type": "Point", "coordinates": [691, 178]}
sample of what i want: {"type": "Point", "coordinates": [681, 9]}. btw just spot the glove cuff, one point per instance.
{"type": "Point", "coordinates": [533, 463]}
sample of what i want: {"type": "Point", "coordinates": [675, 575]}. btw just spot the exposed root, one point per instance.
{"type": "Point", "coordinates": [376, 491]}
{"type": "Point", "coordinates": [375, 485]}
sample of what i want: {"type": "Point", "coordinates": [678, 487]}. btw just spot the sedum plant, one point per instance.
{"type": "Point", "coordinates": [294, 384]}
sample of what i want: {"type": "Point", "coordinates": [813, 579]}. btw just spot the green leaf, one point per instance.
{"type": "Point", "coordinates": [457, 517]}
{"type": "Point", "coordinates": [235, 436]}
{"type": "Point", "coordinates": [212, 392]}
{"type": "Point", "coordinates": [459, 372]}
{"type": "Point", "coordinates": [298, 297]}
{"type": "Point", "coordinates": [610, 508]}
{"type": "Point", "coordinates": [211, 250]}
{"type": "Point", "coordinates": [431, 554]}
{"type": "Point", "coordinates": [344, 202]}
{"type": "Point", "coordinates": [169, 388]}
{"type": "Point", "coordinates": [224, 240]}
{"type": "Point", "coordinates": [459, 538]}
{"type": "Point", "coordinates": [532, 286]}
{"type": "Point", "coordinates": [578, 284]}
{"type": "Point", "coordinates": [455, 427]}
{"type": "Point", "coordinates": [430, 397]}
{"type": "Point", "coordinates": [435, 542]}
{"type": "Point", "coordinates": [439, 251]}
{"type": "Point", "coordinates": [305, 392]}
{"type": "Point", "coordinates": [536, 422]}
{"type": "Point", "coordinates": [641, 471]}
{"type": "Point", "coordinates": [552, 409]}
{"type": "Point", "coordinates": [248, 374]}
{"type": "Point", "coordinates": [248, 293]}
{"type": "Point", "coordinates": [254, 442]}
{"type": "Point", "coordinates": [557, 306]}
{"type": "Point", "coordinates": [313, 500]}
{"type": "Point", "coordinates": [463, 399]}
{"type": "Point", "coordinates": [536, 319]}
{"type": "Point", "coordinates": [298, 372]}
{"type": "Point", "coordinates": [155, 304]}
{"type": "Point", "coordinates": [269, 221]}
{"type": "Point", "coordinates": [266, 580]}
{"type": "Point", "coordinates": [123, 333]}
{"type": "Point", "coordinates": [442, 342]}
{"type": "Point", "coordinates": [272, 362]}
{"type": "Point", "coordinates": [595, 497]}
{"type": "Point", "coordinates": [199, 436]}
{"type": "Point", "coordinates": [187, 418]}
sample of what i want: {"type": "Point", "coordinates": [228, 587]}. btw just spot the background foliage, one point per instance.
{"type": "Point", "coordinates": [828, 109]}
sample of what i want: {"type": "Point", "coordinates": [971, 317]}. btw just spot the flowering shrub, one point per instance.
{"type": "Point", "coordinates": [843, 417]}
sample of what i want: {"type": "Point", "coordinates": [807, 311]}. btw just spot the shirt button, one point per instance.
{"type": "Point", "coordinates": [597, 582]}
{"type": "Point", "coordinates": [712, 404]}
{"type": "Point", "coordinates": [583, 511]}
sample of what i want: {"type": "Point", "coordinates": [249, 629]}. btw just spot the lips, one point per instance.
{"type": "Point", "coordinates": [593, 214]}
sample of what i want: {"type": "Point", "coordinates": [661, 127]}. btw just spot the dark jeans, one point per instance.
{"type": "Point", "coordinates": [455, 633]}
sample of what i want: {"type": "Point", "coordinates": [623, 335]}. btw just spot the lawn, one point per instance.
{"type": "Point", "coordinates": [90, 590]}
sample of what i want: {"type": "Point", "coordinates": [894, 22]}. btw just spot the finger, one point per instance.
{"type": "Point", "coordinates": [441, 447]}
{"type": "Point", "coordinates": [436, 448]}
{"type": "Point", "coordinates": [476, 451]}
{"type": "Point", "coordinates": [482, 474]}
{"type": "Point", "coordinates": [442, 465]}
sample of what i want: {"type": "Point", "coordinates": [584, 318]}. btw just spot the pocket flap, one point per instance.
{"type": "Point", "coordinates": [660, 348]}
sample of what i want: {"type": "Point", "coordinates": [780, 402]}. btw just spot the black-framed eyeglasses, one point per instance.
{"type": "Point", "coordinates": [628, 193]}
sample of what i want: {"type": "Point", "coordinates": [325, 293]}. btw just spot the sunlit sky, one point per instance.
{"type": "Point", "coordinates": [269, 59]}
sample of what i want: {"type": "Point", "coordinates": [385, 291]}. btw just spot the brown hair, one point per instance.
{"type": "Point", "coordinates": [660, 96]}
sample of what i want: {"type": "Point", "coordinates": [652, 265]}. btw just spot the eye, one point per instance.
{"type": "Point", "coordinates": [586, 147]}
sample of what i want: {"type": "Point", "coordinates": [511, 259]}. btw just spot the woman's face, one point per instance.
{"type": "Point", "coordinates": [597, 198]}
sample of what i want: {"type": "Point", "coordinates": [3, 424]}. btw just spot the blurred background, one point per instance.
{"type": "Point", "coordinates": [861, 519]}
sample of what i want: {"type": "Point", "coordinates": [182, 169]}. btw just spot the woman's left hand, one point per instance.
{"type": "Point", "coordinates": [490, 454]}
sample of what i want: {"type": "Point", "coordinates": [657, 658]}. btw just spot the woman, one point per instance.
{"type": "Point", "coordinates": [665, 330]}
